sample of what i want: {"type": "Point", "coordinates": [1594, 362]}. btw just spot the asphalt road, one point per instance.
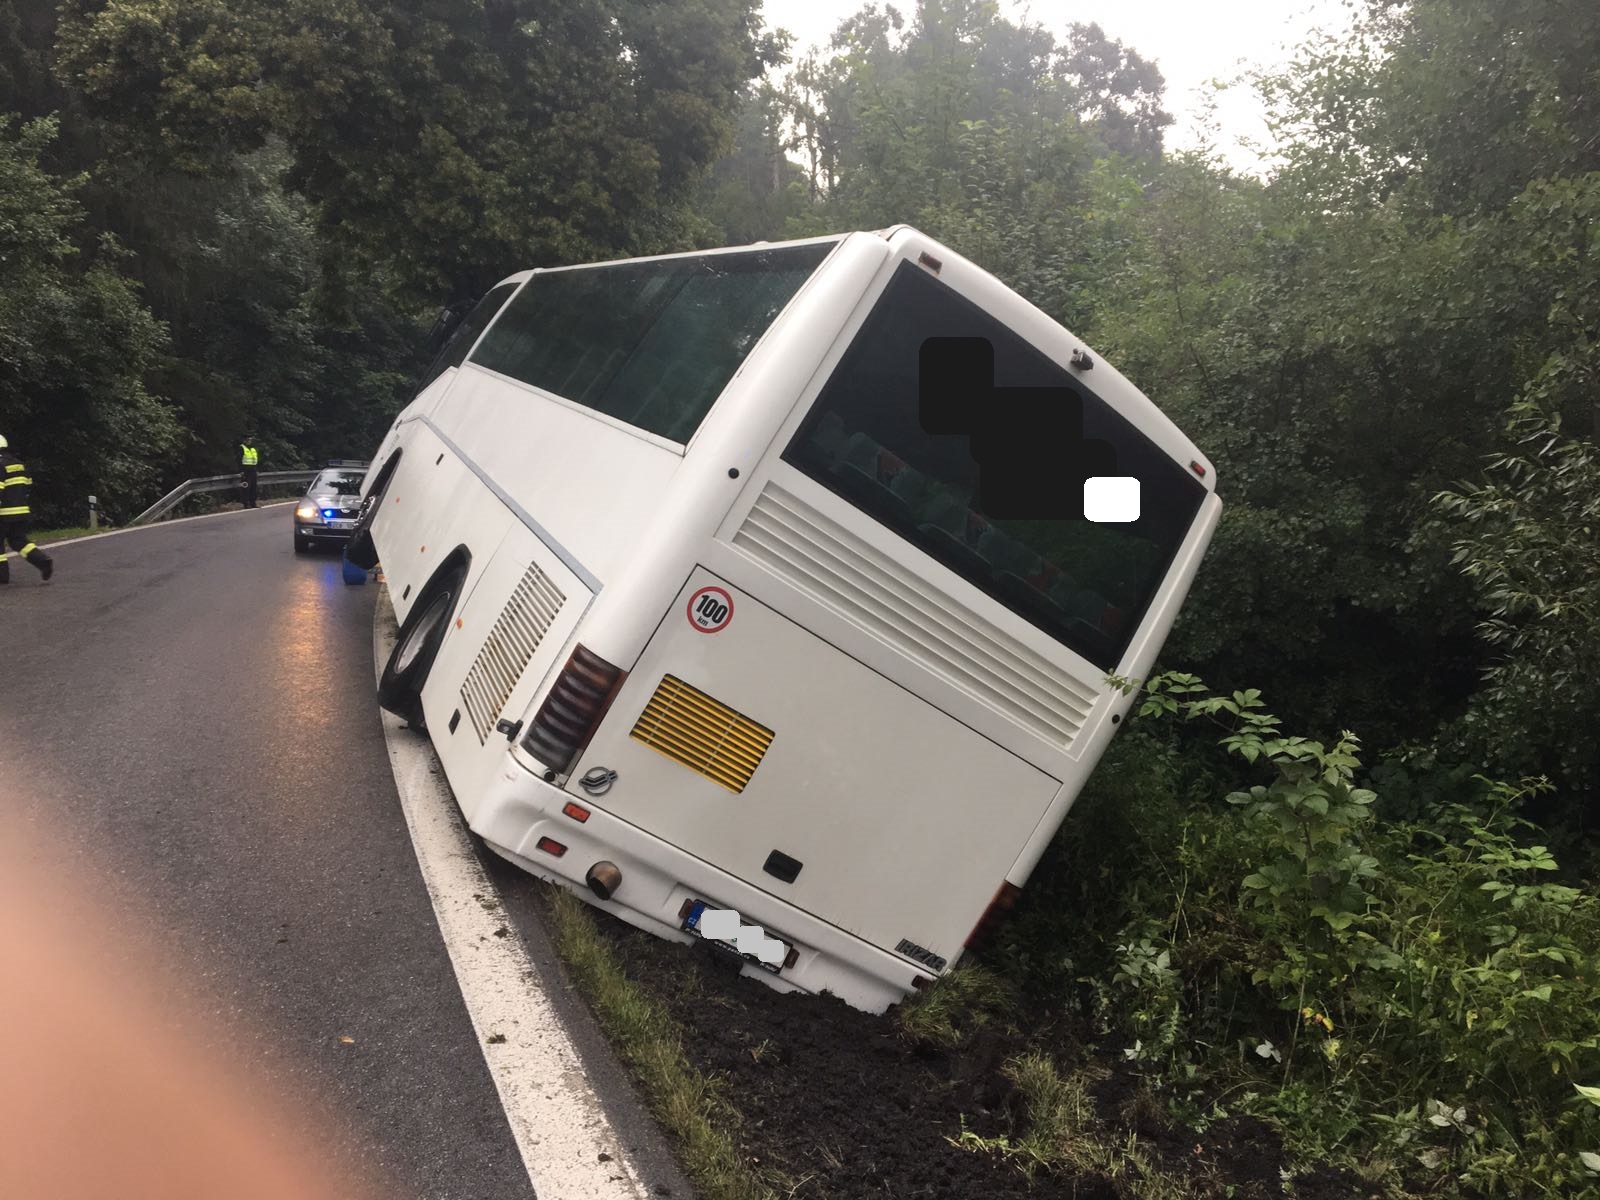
{"type": "Point", "coordinates": [186, 715]}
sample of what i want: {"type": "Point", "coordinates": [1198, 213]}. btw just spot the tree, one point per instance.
{"type": "Point", "coordinates": [76, 344]}
{"type": "Point", "coordinates": [752, 193]}
{"type": "Point", "coordinates": [1455, 104]}
{"type": "Point", "coordinates": [1529, 538]}
{"type": "Point", "coordinates": [1345, 339]}
{"type": "Point", "coordinates": [965, 124]}
{"type": "Point", "coordinates": [448, 143]}
{"type": "Point", "coordinates": [1117, 92]}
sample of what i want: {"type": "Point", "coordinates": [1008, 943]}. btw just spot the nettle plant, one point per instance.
{"type": "Point", "coordinates": [1313, 871]}
{"type": "Point", "coordinates": [1435, 964]}
{"type": "Point", "coordinates": [1271, 975]}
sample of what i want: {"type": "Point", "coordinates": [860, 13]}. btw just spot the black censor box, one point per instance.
{"type": "Point", "coordinates": [1033, 458]}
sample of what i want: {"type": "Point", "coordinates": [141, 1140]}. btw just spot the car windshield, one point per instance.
{"type": "Point", "coordinates": [336, 483]}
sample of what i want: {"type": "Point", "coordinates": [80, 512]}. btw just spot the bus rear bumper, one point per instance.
{"type": "Point", "coordinates": [659, 879]}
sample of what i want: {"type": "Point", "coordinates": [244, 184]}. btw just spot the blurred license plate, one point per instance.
{"type": "Point", "coordinates": [696, 909]}
{"type": "Point", "coordinates": [343, 523]}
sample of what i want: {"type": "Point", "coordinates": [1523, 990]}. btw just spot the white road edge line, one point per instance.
{"type": "Point", "coordinates": [95, 537]}
{"type": "Point", "coordinates": [568, 1146]}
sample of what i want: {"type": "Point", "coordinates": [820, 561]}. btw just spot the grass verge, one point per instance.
{"type": "Point", "coordinates": [1065, 1137]}
{"type": "Point", "coordinates": [954, 1006]}
{"type": "Point", "coordinates": [45, 536]}
{"type": "Point", "coordinates": [644, 1034]}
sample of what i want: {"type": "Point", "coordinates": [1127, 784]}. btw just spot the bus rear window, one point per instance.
{"type": "Point", "coordinates": [1087, 584]}
{"type": "Point", "coordinates": [649, 343]}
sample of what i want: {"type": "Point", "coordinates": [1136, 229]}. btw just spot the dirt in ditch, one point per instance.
{"type": "Point", "coordinates": [843, 1107]}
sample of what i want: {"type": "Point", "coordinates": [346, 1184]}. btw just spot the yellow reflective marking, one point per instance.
{"type": "Point", "coordinates": [703, 734]}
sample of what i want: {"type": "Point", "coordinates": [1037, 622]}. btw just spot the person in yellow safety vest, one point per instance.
{"type": "Point", "coordinates": [16, 516]}
{"type": "Point", "coordinates": [249, 456]}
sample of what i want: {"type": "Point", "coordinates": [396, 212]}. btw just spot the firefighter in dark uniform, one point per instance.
{"type": "Point", "coordinates": [16, 516]}
{"type": "Point", "coordinates": [249, 456]}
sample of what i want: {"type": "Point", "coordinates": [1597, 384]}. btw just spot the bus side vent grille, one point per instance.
{"type": "Point", "coordinates": [838, 569]}
{"type": "Point", "coordinates": [703, 734]}
{"type": "Point", "coordinates": [509, 648]}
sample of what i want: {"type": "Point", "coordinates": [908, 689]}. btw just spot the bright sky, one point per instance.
{"type": "Point", "coordinates": [1192, 42]}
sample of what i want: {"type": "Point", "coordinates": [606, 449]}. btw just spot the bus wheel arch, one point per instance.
{"type": "Point", "coordinates": [421, 634]}
{"type": "Point", "coordinates": [363, 551]}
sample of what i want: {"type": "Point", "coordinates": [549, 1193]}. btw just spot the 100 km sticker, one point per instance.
{"type": "Point", "coordinates": [710, 610]}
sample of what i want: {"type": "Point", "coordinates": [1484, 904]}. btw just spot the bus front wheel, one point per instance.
{"type": "Point", "coordinates": [400, 688]}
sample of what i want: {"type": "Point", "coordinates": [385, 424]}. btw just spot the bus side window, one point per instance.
{"type": "Point", "coordinates": [455, 349]}
{"type": "Point", "coordinates": [652, 344]}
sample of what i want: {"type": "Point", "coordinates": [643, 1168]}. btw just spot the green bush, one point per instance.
{"type": "Point", "coordinates": [1419, 991]}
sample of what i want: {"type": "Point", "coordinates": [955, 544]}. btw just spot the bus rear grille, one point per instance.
{"type": "Point", "coordinates": [508, 649]}
{"type": "Point", "coordinates": [835, 567]}
{"type": "Point", "coordinates": [703, 734]}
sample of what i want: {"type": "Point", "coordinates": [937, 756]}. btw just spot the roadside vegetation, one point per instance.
{"type": "Point", "coordinates": [690, 1106]}
{"type": "Point", "coordinates": [45, 536]}
{"type": "Point", "coordinates": [1400, 981]}
{"type": "Point", "coordinates": [1366, 923]}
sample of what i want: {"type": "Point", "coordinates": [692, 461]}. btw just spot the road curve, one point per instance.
{"type": "Point", "coordinates": [186, 717]}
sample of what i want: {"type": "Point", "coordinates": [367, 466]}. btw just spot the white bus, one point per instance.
{"type": "Point", "coordinates": [706, 603]}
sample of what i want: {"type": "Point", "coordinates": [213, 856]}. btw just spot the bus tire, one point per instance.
{"type": "Point", "coordinates": [400, 687]}
{"type": "Point", "coordinates": [362, 550]}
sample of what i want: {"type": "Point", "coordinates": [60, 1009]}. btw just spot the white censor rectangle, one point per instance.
{"type": "Point", "coordinates": [723, 925]}
{"type": "Point", "coordinates": [1111, 499]}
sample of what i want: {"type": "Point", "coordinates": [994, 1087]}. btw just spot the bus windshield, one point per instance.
{"type": "Point", "coordinates": [1087, 584]}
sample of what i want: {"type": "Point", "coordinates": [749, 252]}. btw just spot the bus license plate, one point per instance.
{"type": "Point", "coordinates": [691, 922]}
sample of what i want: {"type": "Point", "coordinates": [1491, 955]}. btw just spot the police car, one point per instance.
{"type": "Point", "coordinates": [327, 514]}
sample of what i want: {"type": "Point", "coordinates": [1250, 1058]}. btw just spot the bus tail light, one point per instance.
{"type": "Point", "coordinates": [550, 846]}
{"type": "Point", "coordinates": [573, 710]}
{"type": "Point", "coordinates": [993, 916]}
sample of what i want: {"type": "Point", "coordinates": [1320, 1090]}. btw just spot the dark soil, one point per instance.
{"type": "Point", "coordinates": [844, 1107]}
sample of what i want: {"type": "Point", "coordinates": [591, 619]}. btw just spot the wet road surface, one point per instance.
{"type": "Point", "coordinates": [186, 718]}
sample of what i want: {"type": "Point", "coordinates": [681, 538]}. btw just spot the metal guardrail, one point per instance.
{"type": "Point", "coordinates": [216, 483]}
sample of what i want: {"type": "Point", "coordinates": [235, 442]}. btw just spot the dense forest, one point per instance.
{"type": "Point", "coordinates": [228, 217]}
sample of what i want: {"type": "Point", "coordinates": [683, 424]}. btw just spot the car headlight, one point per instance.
{"type": "Point", "coordinates": [308, 511]}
